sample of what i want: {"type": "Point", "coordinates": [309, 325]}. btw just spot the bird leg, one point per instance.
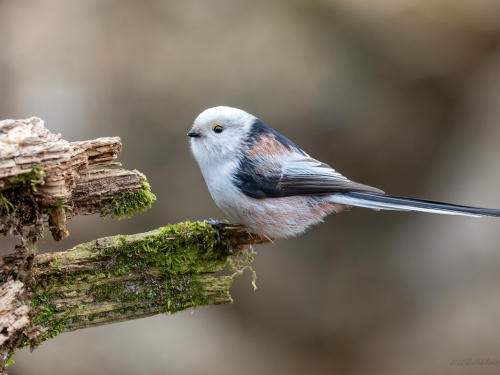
{"type": "Point", "coordinates": [217, 225]}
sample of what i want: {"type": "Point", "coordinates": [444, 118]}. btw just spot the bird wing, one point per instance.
{"type": "Point", "coordinates": [290, 175]}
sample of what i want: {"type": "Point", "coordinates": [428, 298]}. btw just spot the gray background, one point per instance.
{"type": "Point", "coordinates": [399, 94]}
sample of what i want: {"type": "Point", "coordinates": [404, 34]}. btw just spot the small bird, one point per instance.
{"type": "Point", "coordinates": [267, 183]}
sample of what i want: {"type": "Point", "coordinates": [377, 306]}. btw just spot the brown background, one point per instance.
{"type": "Point", "coordinates": [399, 94]}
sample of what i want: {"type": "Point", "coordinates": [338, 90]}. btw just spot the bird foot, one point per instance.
{"type": "Point", "coordinates": [217, 225]}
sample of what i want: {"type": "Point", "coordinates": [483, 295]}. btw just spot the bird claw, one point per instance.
{"type": "Point", "coordinates": [217, 225]}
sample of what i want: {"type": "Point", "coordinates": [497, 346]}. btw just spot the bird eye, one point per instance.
{"type": "Point", "coordinates": [217, 128]}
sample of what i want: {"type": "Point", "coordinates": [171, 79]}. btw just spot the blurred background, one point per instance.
{"type": "Point", "coordinates": [403, 95]}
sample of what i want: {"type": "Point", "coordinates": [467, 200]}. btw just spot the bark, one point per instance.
{"type": "Point", "coordinates": [44, 178]}
{"type": "Point", "coordinates": [14, 316]}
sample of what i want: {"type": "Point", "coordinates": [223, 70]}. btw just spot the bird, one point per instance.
{"type": "Point", "coordinates": [268, 184]}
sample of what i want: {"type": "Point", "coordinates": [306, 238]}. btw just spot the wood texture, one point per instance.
{"type": "Point", "coordinates": [44, 178]}
{"type": "Point", "coordinates": [14, 316]}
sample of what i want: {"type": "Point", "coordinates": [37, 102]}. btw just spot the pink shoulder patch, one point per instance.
{"type": "Point", "coordinates": [267, 145]}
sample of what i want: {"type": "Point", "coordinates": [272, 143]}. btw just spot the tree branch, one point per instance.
{"type": "Point", "coordinates": [120, 278]}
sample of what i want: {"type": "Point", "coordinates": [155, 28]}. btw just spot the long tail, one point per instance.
{"type": "Point", "coordinates": [388, 202]}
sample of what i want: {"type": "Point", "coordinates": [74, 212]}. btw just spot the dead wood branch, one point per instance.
{"type": "Point", "coordinates": [45, 178]}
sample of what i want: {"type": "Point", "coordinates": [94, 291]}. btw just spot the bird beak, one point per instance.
{"type": "Point", "coordinates": [193, 133]}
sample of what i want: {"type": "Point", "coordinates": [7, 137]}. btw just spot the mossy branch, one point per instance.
{"type": "Point", "coordinates": [121, 278]}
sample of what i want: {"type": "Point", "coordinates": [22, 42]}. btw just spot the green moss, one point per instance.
{"type": "Point", "coordinates": [93, 317]}
{"type": "Point", "coordinates": [42, 302]}
{"type": "Point", "coordinates": [126, 204]}
{"type": "Point", "coordinates": [17, 203]}
{"type": "Point", "coordinates": [59, 204]}
{"type": "Point", "coordinates": [76, 319]}
{"type": "Point", "coordinates": [162, 271]}
{"type": "Point", "coordinates": [47, 315]}
{"type": "Point", "coordinates": [9, 207]}
{"type": "Point", "coordinates": [183, 292]}
{"type": "Point", "coordinates": [31, 179]}
{"type": "Point", "coordinates": [55, 326]}
{"type": "Point", "coordinates": [187, 247]}
{"type": "Point", "coordinates": [177, 252]}
{"type": "Point", "coordinates": [8, 360]}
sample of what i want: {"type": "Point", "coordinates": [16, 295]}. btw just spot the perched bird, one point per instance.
{"type": "Point", "coordinates": [265, 182]}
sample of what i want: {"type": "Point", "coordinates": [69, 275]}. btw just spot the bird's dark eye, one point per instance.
{"type": "Point", "coordinates": [217, 128]}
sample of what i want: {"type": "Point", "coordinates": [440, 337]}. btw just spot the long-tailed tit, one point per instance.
{"type": "Point", "coordinates": [267, 183]}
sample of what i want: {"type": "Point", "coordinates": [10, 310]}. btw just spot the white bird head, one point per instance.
{"type": "Point", "coordinates": [219, 133]}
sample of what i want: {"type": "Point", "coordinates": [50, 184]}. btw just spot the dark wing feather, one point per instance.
{"type": "Point", "coordinates": [266, 178]}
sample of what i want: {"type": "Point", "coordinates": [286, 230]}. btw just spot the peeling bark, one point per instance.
{"type": "Point", "coordinates": [44, 177]}
{"type": "Point", "coordinates": [14, 316]}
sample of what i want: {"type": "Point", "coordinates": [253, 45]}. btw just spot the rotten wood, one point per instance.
{"type": "Point", "coordinates": [44, 178]}
{"type": "Point", "coordinates": [14, 316]}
